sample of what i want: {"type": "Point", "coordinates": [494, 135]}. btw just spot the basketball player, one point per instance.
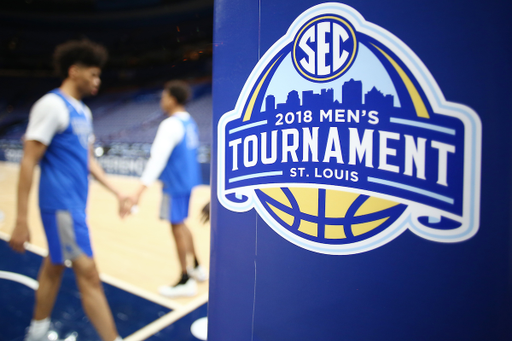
{"type": "Point", "coordinates": [59, 136]}
{"type": "Point", "coordinates": [174, 161]}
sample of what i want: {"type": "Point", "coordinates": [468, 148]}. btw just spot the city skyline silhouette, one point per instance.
{"type": "Point", "coordinates": [351, 95]}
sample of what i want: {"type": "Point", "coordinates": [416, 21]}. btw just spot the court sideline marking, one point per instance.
{"type": "Point", "coordinates": [166, 320]}
{"type": "Point", "coordinates": [15, 277]}
{"type": "Point", "coordinates": [179, 310]}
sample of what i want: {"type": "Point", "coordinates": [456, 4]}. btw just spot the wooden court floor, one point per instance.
{"type": "Point", "coordinates": [137, 252]}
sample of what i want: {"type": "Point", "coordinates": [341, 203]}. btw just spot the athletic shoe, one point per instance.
{"type": "Point", "coordinates": [187, 289]}
{"type": "Point", "coordinates": [198, 273]}
{"type": "Point", "coordinates": [73, 336]}
{"type": "Point", "coordinates": [50, 335]}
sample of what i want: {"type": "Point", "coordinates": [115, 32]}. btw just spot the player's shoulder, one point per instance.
{"type": "Point", "coordinates": [184, 117]}
{"type": "Point", "coordinates": [50, 100]}
{"type": "Point", "coordinates": [49, 106]}
{"type": "Point", "coordinates": [171, 121]}
{"type": "Point", "coordinates": [171, 126]}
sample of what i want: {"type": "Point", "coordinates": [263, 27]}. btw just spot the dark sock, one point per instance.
{"type": "Point", "coordinates": [196, 263]}
{"type": "Point", "coordinates": [184, 278]}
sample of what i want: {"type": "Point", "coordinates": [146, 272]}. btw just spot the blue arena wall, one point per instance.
{"type": "Point", "coordinates": [420, 282]}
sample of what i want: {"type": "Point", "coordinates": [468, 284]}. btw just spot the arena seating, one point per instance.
{"type": "Point", "coordinates": [128, 117]}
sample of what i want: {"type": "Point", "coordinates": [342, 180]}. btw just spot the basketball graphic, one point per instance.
{"type": "Point", "coordinates": [329, 216]}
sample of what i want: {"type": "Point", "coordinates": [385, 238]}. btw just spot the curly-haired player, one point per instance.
{"type": "Point", "coordinates": [58, 137]}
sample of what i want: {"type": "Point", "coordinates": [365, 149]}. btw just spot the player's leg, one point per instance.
{"type": "Point", "coordinates": [175, 210]}
{"type": "Point", "coordinates": [196, 271]}
{"type": "Point", "coordinates": [189, 241]}
{"type": "Point", "coordinates": [73, 243]}
{"type": "Point", "coordinates": [79, 251]}
{"type": "Point", "coordinates": [94, 301]}
{"type": "Point", "coordinates": [50, 277]}
{"type": "Point", "coordinates": [184, 244]}
{"type": "Point", "coordinates": [185, 247]}
{"type": "Point", "coordinates": [186, 286]}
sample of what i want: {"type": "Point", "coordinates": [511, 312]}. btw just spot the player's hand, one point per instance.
{"type": "Point", "coordinates": [20, 235]}
{"type": "Point", "coordinates": [130, 205]}
{"type": "Point", "coordinates": [125, 205]}
{"type": "Point", "coordinates": [205, 213]}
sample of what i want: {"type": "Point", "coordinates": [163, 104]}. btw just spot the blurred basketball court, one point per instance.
{"type": "Point", "coordinates": [134, 256]}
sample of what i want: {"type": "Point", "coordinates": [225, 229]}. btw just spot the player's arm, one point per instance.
{"type": "Point", "coordinates": [97, 171]}
{"type": "Point", "coordinates": [99, 174]}
{"type": "Point", "coordinates": [169, 134]}
{"type": "Point", "coordinates": [33, 151]}
{"type": "Point", "coordinates": [47, 117]}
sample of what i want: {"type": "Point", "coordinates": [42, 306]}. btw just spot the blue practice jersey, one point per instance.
{"type": "Point", "coordinates": [64, 181]}
{"type": "Point", "coordinates": [181, 173]}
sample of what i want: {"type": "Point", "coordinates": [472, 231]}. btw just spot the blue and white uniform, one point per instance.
{"type": "Point", "coordinates": [174, 161]}
{"type": "Point", "coordinates": [64, 125]}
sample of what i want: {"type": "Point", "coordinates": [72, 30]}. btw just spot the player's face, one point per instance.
{"type": "Point", "coordinates": [167, 102]}
{"type": "Point", "coordinates": [88, 80]}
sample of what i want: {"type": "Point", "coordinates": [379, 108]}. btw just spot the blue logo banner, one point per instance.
{"type": "Point", "coordinates": [340, 108]}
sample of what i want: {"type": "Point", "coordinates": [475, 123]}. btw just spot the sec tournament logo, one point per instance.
{"type": "Point", "coordinates": [341, 140]}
